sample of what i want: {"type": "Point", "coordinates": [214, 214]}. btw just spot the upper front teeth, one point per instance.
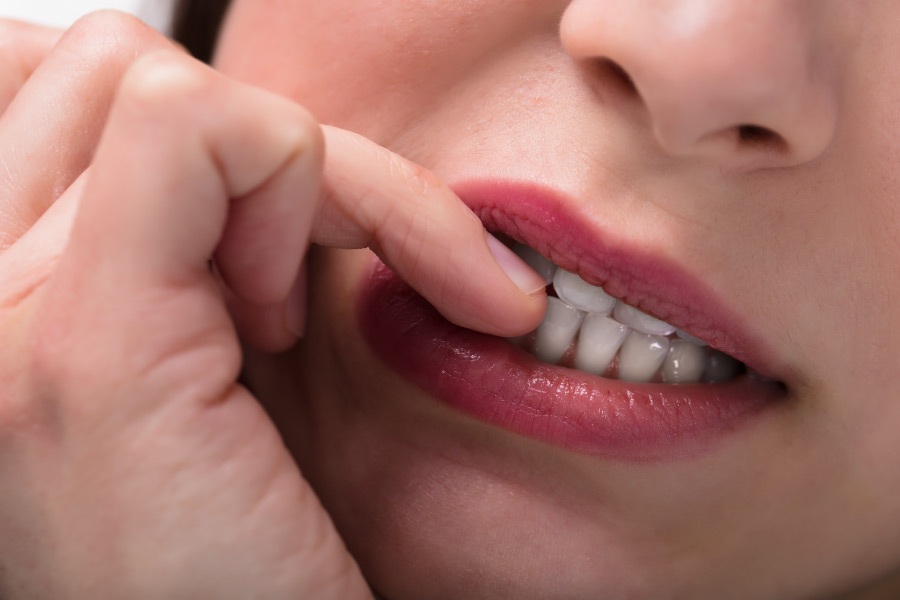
{"type": "Point", "coordinates": [647, 348]}
{"type": "Point", "coordinates": [641, 321]}
{"type": "Point", "coordinates": [578, 293]}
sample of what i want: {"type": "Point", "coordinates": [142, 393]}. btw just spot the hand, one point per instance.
{"type": "Point", "coordinates": [132, 463]}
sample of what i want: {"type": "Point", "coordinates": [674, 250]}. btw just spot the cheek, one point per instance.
{"type": "Point", "coordinates": [856, 212]}
{"type": "Point", "coordinates": [372, 65]}
{"type": "Point", "coordinates": [338, 58]}
{"type": "Point", "coordinates": [302, 54]}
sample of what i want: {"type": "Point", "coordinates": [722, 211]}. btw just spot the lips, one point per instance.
{"type": "Point", "coordinates": [495, 382]}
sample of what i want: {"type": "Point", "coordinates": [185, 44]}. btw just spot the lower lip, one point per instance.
{"type": "Point", "coordinates": [495, 382]}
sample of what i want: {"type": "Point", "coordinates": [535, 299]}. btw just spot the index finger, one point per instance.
{"type": "Point", "coordinates": [423, 231]}
{"type": "Point", "coordinates": [50, 130]}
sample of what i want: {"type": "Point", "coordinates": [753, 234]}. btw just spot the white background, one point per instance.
{"type": "Point", "coordinates": [63, 12]}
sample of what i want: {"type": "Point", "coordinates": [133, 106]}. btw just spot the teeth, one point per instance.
{"type": "Point", "coordinates": [575, 291]}
{"type": "Point", "coordinates": [720, 368]}
{"type": "Point", "coordinates": [599, 340]}
{"type": "Point", "coordinates": [610, 332]}
{"type": "Point", "coordinates": [684, 363]}
{"type": "Point", "coordinates": [641, 356]}
{"type": "Point", "coordinates": [536, 261]}
{"type": "Point", "coordinates": [641, 321]}
{"type": "Point", "coordinates": [557, 331]}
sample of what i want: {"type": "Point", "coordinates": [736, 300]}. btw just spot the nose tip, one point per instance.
{"type": "Point", "coordinates": [742, 107]}
{"type": "Point", "coordinates": [742, 83]}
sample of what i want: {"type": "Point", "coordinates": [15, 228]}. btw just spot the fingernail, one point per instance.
{"type": "Point", "coordinates": [525, 278]}
{"type": "Point", "coordinates": [295, 308]}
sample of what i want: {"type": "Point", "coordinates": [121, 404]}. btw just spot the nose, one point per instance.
{"type": "Point", "coordinates": [745, 83]}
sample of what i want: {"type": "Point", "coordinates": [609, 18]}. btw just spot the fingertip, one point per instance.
{"type": "Point", "coordinates": [518, 271]}
{"type": "Point", "coordinates": [498, 313]}
{"type": "Point", "coordinates": [524, 313]}
{"type": "Point", "coordinates": [529, 316]}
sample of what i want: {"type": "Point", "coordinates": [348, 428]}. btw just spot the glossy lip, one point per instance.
{"type": "Point", "coordinates": [490, 379]}
{"type": "Point", "coordinates": [542, 219]}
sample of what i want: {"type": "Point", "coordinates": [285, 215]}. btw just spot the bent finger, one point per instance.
{"type": "Point", "coordinates": [193, 165]}
{"type": "Point", "coordinates": [423, 231]}
{"type": "Point", "coordinates": [50, 130]}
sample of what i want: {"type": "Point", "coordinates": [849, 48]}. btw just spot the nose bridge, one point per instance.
{"type": "Point", "coordinates": [709, 71]}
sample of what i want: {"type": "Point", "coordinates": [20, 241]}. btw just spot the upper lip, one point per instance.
{"type": "Point", "coordinates": [543, 219]}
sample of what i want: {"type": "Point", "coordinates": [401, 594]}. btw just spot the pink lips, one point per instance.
{"type": "Point", "coordinates": [497, 383]}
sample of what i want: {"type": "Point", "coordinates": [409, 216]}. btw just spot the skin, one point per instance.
{"type": "Point", "coordinates": [797, 231]}
{"type": "Point", "coordinates": [137, 466]}
{"type": "Point", "coordinates": [134, 463]}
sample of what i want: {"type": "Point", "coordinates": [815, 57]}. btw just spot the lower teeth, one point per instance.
{"type": "Point", "coordinates": [586, 329]}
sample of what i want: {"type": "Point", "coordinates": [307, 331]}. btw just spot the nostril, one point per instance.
{"type": "Point", "coordinates": [617, 74]}
{"type": "Point", "coordinates": [756, 136]}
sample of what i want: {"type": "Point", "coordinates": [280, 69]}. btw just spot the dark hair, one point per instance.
{"type": "Point", "coordinates": [196, 25]}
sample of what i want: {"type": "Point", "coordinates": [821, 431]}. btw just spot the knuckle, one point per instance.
{"type": "Point", "coordinates": [109, 26]}
{"type": "Point", "coordinates": [408, 223]}
{"type": "Point", "coordinates": [307, 140]}
{"type": "Point", "coordinates": [421, 181]}
{"type": "Point", "coordinates": [293, 130]}
{"type": "Point", "coordinates": [109, 38]}
{"type": "Point", "coordinates": [160, 81]}
{"type": "Point", "coordinates": [309, 135]}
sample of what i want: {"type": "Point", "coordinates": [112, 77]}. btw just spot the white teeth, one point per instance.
{"type": "Point", "coordinates": [684, 363]}
{"type": "Point", "coordinates": [598, 342]}
{"type": "Point", "coordinates": [575, 291]}
{"type": "Point", "coordinates": [557, 330]}
{"type": "Point", "coordinates": [641, 321]}
{"type": "Point", "coordinates": [641, 356]}
{"type": "Point", "coordinates": [720, 368]}
{"type": "Point", "coordinates": [608, 331]}
{"type": "Point", "coordinates": [536, 261]}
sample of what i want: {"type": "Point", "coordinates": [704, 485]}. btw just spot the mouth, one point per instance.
{"type": "Point", "coordinates": [635, 359]}
{"type": "Point", "coordinates": [587, 329]}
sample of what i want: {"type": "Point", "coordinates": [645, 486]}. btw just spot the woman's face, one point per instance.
{"type": "Point", "coordinates": [732, 167]}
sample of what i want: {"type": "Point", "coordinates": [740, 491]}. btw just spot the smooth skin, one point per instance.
{"type": "Point", "coordinates": [133, 463]}
{"type": "Point", "coordinates": [753, 142]}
